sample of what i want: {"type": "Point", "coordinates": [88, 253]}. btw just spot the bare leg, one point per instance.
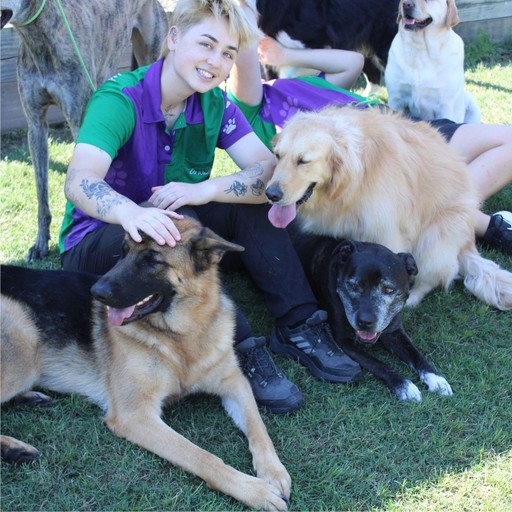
{"type": "Point", "coordinates": [487, 149]}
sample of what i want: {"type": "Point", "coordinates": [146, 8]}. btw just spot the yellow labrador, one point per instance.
{"type": "Point", "coordinates": [425, 69]}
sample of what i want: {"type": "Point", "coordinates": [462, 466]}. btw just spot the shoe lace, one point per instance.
{"type": "Point", "coordinates": [259, 361]}
{"type": "Point", "coordinates": [322, 334]}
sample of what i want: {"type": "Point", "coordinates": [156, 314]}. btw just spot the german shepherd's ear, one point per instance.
{"type": "Point", "coordinates": [410, 264]}
{"type": "Point", "coordinates": [208, 248]}
{"type": "Point", "coordinates": [452, 14]}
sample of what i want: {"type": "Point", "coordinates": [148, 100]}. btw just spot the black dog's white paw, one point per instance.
{"type": "Point", "coordinates": [436, 384]}
{"type": "Point", "coordinates": [408, 391]}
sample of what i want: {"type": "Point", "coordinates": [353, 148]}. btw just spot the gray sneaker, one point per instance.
{"type": "Point", "coordinates": [313, 345]}
{"type": "Point", "coordinates": [271, 389]}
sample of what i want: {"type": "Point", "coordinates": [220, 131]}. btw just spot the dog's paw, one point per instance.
{"type": "Point", "coordinates": [278, 477]}
{"type": "Point", "coordinates": [265, 496]}
{"type": "Point", "coordinates": [408, 391]}
{"type": "Point", "coordinates": [32, 399]}
{"type": "Point", "coordinates": [437, 384]}
{"type": "Point", "coordinates": [17, 451]}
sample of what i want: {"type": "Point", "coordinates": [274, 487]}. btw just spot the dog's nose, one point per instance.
{"type": "Point", "coordinates": [274, 193]}
{"type": "Point", "coordinates": [102, 291]}
{"type": "Point", "coordinates": [366, 320]}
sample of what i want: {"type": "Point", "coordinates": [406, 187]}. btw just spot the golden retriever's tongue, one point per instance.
{"type": "Point", "coordinates": [117, 316]}
{"type": "Point", "coordinates": [281, 216]}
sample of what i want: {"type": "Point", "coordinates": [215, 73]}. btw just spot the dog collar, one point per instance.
{"type": "Point", "coordinates": [34, 18]}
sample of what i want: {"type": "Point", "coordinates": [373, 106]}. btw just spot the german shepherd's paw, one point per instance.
{"type": "Point", "coordinates": [16, 451]}
{"type": "Point", "coordinates": [408, 391]}
{"type": "Point", "coordinates": [278, 477]}
{"type": "Point", "coordinates": [268, 496]}
{"type": "Point", "coordinates": [436, 383]}
{"type": "Point", "coordinates": [32, 399]}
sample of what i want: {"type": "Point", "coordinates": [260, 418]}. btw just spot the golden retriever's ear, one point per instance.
{"type": "Point", "coordinates": [338, 177]}
{"type": "Point", "coordinates": [452, 14]}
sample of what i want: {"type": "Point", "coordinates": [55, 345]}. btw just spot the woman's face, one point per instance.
{"type": "Point", "coordinates": [204, 54]}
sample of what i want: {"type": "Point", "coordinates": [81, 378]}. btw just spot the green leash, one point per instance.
{"type": "Point", "coordinates": [28, 22]}
{"type": "Point", "coordinates": [68, 28]}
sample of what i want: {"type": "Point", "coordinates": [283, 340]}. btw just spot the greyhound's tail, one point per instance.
{"type": "Point", "coordinates": [486, 280]}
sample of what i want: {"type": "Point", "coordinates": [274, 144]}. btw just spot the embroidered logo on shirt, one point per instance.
{"type": "Point", "coordinates": [229, 126]}
{"type": "Point", "coordinates": [199, 172]}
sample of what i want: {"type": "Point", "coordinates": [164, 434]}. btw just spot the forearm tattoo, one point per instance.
{"type": "Point", "coordinates": [258, 188]}
{"type": "Point", "coordinates": [106, 198]}
{"type": "Point", "coordinates": [252, 172]}
{"type": "Point", "coordinates": [70, 179]}
{"type": "Point", "coordinates": [238, 188]}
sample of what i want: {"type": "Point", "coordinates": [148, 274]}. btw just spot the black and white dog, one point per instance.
{"type": "Point", "coordinates": [364, 287]}
{"type": "Point", "coordinates": [367, 26]}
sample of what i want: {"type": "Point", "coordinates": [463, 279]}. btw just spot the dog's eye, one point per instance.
{"type": "Point", "coordinates": [301, 161]}
{"type": "Point", "coordinates": [278, 156]}
{"type": "Point", "coordinates": [388, 290]}
{"type": "Point", "coordinates": [151, 258]}
{"type": "Point", "coordinates": [353, 286]}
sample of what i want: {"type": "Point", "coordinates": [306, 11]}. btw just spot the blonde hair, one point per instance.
{"type": "Point", "coordinates": [188, 13]}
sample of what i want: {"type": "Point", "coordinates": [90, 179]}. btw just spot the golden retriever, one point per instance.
{"type": "Point", "coordinates": [425, 69]}
{"type": "Point", "coordinates": [373, 175]}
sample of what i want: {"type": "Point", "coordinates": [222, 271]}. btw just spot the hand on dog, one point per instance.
{"type": "Point", "coordinates": [154, 222]}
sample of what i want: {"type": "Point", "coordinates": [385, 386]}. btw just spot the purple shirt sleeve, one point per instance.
{"type": "Point", "coordinates": [234, 126]}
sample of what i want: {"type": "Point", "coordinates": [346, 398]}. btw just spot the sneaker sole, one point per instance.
{"type": "Point", "coordinates": [294, 353]}
{"type": "Point", "coordinates": [298, 402]}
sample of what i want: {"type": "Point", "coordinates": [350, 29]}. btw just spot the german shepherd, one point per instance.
{"type": "Point", "coordinates": [364, 287]}
{"type": "Point", "coordinates": [156, 327]}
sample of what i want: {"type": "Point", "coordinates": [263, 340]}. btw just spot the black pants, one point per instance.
{"type": "Point", "coordinates": [269, 258]}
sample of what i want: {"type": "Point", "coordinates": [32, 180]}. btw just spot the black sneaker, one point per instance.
{"type": "Point", "coordinates": [271, 389]}
{"type": "Point", "coordinates": [312, 344]}
{"type": "Point", "coordinates": [499, 232]}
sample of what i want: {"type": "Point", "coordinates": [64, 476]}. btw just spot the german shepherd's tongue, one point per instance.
{"type": "Point", "coordinates": [117, 316]}
{"type": "Point", "coordinates": [281, 216]}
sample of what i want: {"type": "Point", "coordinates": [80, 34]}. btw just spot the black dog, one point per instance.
{"type": "Point", "coordinates": [364, 287]}
{"type": "Point", "coordinates": [367, 26]}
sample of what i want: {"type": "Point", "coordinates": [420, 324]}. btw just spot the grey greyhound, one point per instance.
{"type": "Point", "coordinates": [49, 71]}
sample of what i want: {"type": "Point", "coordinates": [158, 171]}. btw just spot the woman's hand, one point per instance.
{"type": "Point", "coordinates": [173, 195]}
{"type": "Point", "coordinates": [154, 222]}
{"type": "Point", "coordinates": [271, 52]}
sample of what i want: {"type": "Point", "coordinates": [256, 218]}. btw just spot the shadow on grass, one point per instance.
{"type": "Point", "coordinates": [15, 145]}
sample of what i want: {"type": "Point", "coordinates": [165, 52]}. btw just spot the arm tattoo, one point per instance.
{"type": "Point", "coordinates": [238, 188]}
{"type": "Point", "coordinates": [106, 198]}
{"type": "Point", "coordinates": [252, 172]}
{"type": "Point", "coordinates": [258, 188]}
{"type": "Point", "coordinates": [70, 178]}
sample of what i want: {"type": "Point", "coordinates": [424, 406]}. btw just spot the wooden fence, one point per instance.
{"type": "Point", "coordinates": [493, 16]}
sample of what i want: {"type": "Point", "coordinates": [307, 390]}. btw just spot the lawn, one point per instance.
{"type": "Point", "coordinates": [351, 447]}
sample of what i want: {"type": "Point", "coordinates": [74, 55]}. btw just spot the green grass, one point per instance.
{"type": "Point", "coordinates": [351, 447]}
